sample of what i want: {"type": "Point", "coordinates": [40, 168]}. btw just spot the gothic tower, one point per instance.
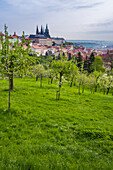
{"type": "Point", "coordinates": [37, 31]}
{"type": "Point", "coordinates": [42, 31]}
{"type": "Point", "coordinates": [47, 32]}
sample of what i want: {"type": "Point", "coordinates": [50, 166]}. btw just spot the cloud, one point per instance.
{"type": "Point", "coordinates": [106, 23]}
{"type": "Point", "coordinates": [101, 32]}
{"type": "Point", "coordinates": [87, 6]}
{"type": "Point", "coordinates": [64, 17]}
{"type": "Point", "coordinates": [53, 5]}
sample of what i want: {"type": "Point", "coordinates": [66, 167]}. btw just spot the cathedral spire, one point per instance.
{"type": "Point", "coordinates": [47, 31]}
{"type": "Point", "coordinates": [37, 32]}
{"type": "Point", "coordinates": [42, 32]}
{"type": "Point", "coordinates": [46, 28]}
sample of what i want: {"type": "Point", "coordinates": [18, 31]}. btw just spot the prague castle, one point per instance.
{"type": "Point", "coordinates": [43, 37]}
{"type": "Point", "coordinates": [42, 33]}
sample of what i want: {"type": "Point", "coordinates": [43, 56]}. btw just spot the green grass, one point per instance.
{"type": "Point", "coordinates": [39, 132]}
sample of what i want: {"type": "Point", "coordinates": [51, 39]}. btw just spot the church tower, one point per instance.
{"type": "Point", "coordinates": [42, 31]}
{"type": "Point", "coordinates": [37, 31]}
{"type": "Point", "coordinates": [47, 31]}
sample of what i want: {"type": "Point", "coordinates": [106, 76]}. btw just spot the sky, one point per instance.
{"type": "Point", "coordinates": [73, 20]}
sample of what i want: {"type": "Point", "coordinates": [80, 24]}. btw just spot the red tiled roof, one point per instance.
{"type": "Point", "coordinates": [1, 34]}
{"type": "Point", "coordinates": [15, 36]}
{"type": "Point", "coordinates": [36, 47]}
{"type": "Point", "coordinates": [44, 48]}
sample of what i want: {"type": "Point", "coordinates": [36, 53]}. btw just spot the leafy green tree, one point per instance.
{"type": "Point", "coordinates": [105, 83]}
{"type": "Point", "coordinates": [96, 74]}
{"type": "Point", "coordinates": [14, 59]}
{"type": "Point", "coordinates": [82, 80]}
{"type": "Point", "coordinates": [98, 64]}
{"type": "Point", "coordinates": [40, 72]}
{"type": "Point", "coordinates": [60, 68]}
{"type": "Point", "coordinates": [51, 75]}
{"type": "Point", "coordinates": [91, 82]}
{"type": "Point", "coordinates": [72, 72]}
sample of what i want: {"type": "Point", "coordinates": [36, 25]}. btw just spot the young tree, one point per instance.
{"type": "Point", "coordinates": [82, 80]}
{"type": "Point", "coordinates": [51, 75]}
{"type": "Point", "coordinates": [91, 82]}
{"type": "Point", "coordinates": [60, 68]}
{"type": "Point", "coordinates": [96, 74]}
{"type": "Point", "coordinates": [39, 71]}
{"type": "Point", "coordinates": [72, 72]}
{"type": "Point", "coordinates": [98, 64]}
{"type": "Point", "coordinates": [105, 83]}
{"type": "Point", "coordinates": [14, 59]}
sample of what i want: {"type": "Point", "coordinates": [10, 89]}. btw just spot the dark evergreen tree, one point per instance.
{"type": "Point", "coordinates": [91, 61]}
{"type": "Point", "coordinates": [69, 57]}
{"type": "Point", "coordinates": [86, 64]}
{"type": "Point", "coordinates": [79, 60]}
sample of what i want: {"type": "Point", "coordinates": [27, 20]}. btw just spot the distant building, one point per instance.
{"type": "Point", "coordinates": [43, 37]}
{"type": "Point", "coordinates": [14, 38]}
{"type": "Point", "coordinates": [58, 41]}
{"type": "Point", "coordinates": [1, 34]}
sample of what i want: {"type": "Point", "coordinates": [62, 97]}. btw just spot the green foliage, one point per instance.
{"type": "Point", "coordinates": [39, 71]}
{"type": "Point", "coordinates": [72, 73]}
{"type": "Point", "coordinates": [68, 43]}
{"type": "Point", "coordinates": [98, 64]}
{"type": "Point", "coordinates": [105, 82]}
{"type": "Point", "coordinates": [90, 62]}
{"type": "Point", "coordinates": [79, 60]}
{"type": "Point", "coordinates": [14, 58]}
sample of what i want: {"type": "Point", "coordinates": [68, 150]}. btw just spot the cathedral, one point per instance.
{"type": "Point", "coordinates": [43, 37]}
{"type": "Point", "coordinates": [42, 33]}
{"type": "Point", "coordinates": [40, 36]}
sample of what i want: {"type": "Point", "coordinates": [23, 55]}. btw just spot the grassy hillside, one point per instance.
{"type": "Point", "coordinates": [75, 132]}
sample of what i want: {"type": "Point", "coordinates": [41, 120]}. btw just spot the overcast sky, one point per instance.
{"type": "Point", "coordinates": [74, 20]}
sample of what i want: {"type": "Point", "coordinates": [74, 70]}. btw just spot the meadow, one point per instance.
{"type": "Point", "coordinates": [40, 133]}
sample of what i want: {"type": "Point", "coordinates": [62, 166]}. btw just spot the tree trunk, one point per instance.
{"type": "Point", "coordinates": [57, 95]}
{"type": "Point", "coordinates": [79, 89]}
{"type": "Point", "coordinates": [60, 80]}
{"type": "Point", "coordinates": [36, 78]}
{"type": "Point", "coordinates": [9, 93]}
{"type": "Point", "coordinates": [41, 81]}
{"type": "Point", "coordinates": [107, 91]}
{"type": "Point", "coordinates": [83, 89]}
{"type": "Point", "coordinates": [71, 82]}
{"type": "Point", "coordinates": [51, 80]}
{"type": "Point", "coordinates": [11, 81]}
{"type": "Point", "coordinates": [96, 88]}
{"type": "Point", "coordinates": [91, 90]}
